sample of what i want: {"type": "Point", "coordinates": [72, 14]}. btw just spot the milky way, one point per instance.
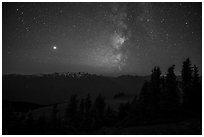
{"type": "Point", "coordinates": [119, 36]}
{"type": "Point", "coordinates": [102, 38]}
{"type": "Point", "coordinates": [114, 56]}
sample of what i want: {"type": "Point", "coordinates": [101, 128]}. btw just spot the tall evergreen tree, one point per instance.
{"type": "Point", "coordinates": [30, 122]}
{"type": "Point", "coordinates": [150, 95]}
{"type": "Point", "coordinates": [87, 105]}
{"type": "Point", "coordinates": [155, 87]}
{"type": "Point", "coordinates": [54, 118]}
{"type": "Point", "coordinates": [187, 83]}
{"type": "Point", "coordinates": [81, 110]}
{"type": "Point", "coordinates": [109, 116]}
{"type": "Point", "coordinates": [195, 78]}
{"type": "Point", "coordinates": [197, 91]}
{"type": "Point", "coordinates": [82, 106]}
{"type": "Point", "coordinates": [72, 111]}
{"type": "Point", "coordinates": [99, 111]}
{"type": "Point", "coordinates": [145, 97]}
{"type": "Point", "coordinates": [88, 115]}
{"type": "Point", "coordinates": [186, 73]}
{"type": "Point", "coordinates": [171, 94]}
{"type": "Point", "coordinates": [41, 124]}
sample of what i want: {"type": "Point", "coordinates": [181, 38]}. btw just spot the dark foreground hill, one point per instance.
{"type": "Point", "coordinates": [91, 104]}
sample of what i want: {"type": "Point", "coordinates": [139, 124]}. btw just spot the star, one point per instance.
{"type": "Point", "coordinates": [27, 29]}
{"type": "Point", "coordinates": [162, 21]}
{"type": "Point", "coordinates": [54, 47]}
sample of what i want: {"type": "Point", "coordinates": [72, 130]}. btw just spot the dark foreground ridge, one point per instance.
{"type": "Point", "coordinates": [81, 103]}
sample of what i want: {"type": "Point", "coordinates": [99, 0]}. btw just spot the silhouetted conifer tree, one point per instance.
{"type": "Point", "coordinates": [186, 72]}
{"type": "Point", "coordinates": [171, 92]}
{"type": "Point", "coordinates": [99, 111]}
{"type": "Point", "coordinates": [41, 124]}
{"type": "Point", "coordinates": [82, 109]}
{"type": "Point", "coordinates": [82, 115]}
{"type": "Point", "coordinates": [196, 91]}
{"type": "Point", "coordinates": [187, 83]}
{"type": "Point", "coordinates": [87, 105]}
{"type": "Point", "coordinates": [54, 118]}
{"type": "Point", "coordinates": [156, 85]}
{"type": "Point", "coordinates": [150, 95]}
{"type": "Point", "coordinates": [195, 75]}
{"type": "Point", "coordinates": [144, 97]}
{"type": "Point", "coordinates": [110, 116]}
{"type": "Point", "coordinates": [71, 111]}
{"type": "Point", "coordinates": [30, 122]}
{"type": "Point", "coordinates": [88, 116]}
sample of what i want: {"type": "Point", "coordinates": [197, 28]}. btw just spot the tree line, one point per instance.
{"type": "Point", "coordinates": [164, 98]}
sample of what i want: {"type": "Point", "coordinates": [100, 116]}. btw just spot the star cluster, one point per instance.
{"type": "Point", "coordinates": [124, 38]}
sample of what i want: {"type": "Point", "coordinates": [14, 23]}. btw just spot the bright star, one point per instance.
{"type": "Point", "coordinates": [54, 47]}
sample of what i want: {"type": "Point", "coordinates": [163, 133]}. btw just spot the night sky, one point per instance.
{"type": "Point", "coordinates": [101, 38]}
